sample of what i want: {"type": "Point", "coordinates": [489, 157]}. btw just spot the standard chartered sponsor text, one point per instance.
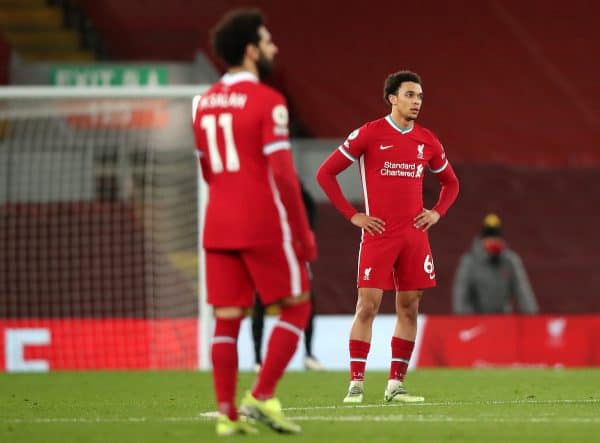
{"type": "Point", "coordinates": [411, 170]}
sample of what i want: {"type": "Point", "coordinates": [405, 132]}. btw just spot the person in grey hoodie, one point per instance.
{"type": "Point", "coordinates": [491, 278]}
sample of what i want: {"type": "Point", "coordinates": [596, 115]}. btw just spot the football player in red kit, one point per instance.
{"type": "Point", "coordinates": [256, 233]}
{"type": "Point", "coordinates": [392, 154]}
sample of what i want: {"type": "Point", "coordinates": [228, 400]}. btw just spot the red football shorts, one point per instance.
{"type": "Point", "coordinates": [234, 276]}
{"type": "Point", "coordinates": [402, 263]}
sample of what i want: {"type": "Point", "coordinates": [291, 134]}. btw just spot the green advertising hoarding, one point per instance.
{"type": "Point", "coordinates": [108, 75]}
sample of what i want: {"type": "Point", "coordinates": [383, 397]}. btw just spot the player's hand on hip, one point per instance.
{"type": "Point", "coordinates": [372, 225]}
{"type": "Point", "coordinates": [426, 219]}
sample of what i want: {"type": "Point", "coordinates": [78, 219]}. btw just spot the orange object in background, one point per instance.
{"type": "Point", "coordinates": [117, 114]}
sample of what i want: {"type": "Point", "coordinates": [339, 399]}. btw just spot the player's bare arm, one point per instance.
{"type": "Point", "coordinates": [426, 219]}
{"type": "Point", "coordinates": [372, 225]}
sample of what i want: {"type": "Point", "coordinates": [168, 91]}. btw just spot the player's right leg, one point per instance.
{"type": "Point", "coordinates": [402, 344]}
{"type": "Point", "coordinates": [227, 427]}
{"type": "Point", "coordinates": [230, 293]}
{"type": "Point", "coordinates": [359, 344]}
{"type": "Point", "coordinates": [375, 262]}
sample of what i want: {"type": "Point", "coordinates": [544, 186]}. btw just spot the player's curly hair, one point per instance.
{"type": "Point", "coordinates": [237, 29]}
{"type": "Point", "coordinates": [394, 81]}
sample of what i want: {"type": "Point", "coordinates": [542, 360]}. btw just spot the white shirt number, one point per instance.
{"type": "Point", "coordinates": [232, 160]}
{"type": "Point", "coordinates": [429, 267]}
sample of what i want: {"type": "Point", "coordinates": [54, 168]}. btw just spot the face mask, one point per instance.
{"type": "Point", "coordinates": [494, 246]}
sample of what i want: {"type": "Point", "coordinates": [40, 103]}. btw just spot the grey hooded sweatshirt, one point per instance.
{"type": "Point", "coordinates": [483, 285]}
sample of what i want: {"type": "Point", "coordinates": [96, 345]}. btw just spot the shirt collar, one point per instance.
{"type": "Point", "coordinates": [393, 124]}
{"type": "Point", "coordinates": [241, 76]}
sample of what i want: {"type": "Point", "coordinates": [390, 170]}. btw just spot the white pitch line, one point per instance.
{"type": "Point", "coordinates": [453, 403]}
{"type": "Point", "coordinates": [213, 414]}
{"type": "Point", "coordinates": [349, 418]}
{"type": "Point", "coordinates": [406, 418]}
{"type": "Point", "coordinates": [83, 420]}
{"type": "Point", "coordinates": [445, 419]}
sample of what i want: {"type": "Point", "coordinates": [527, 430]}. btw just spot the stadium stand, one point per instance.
{"type": "Point", "coordinates": [504, 110]}
{"type": "Point", "coordinates": [511, 90]}
{"type": "Point", "coordinates": [4, 60]}
{"type": "Point", "coordinates": [37, 31]}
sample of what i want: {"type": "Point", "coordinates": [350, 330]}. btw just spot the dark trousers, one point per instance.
{"type": "Point", "coordinates": [258, 326]}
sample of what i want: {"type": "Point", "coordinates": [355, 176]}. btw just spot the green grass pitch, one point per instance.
{"type": "Point", "coordinates": [461, 406]}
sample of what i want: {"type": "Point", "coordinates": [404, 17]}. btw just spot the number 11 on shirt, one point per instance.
{"type": "Point", "coordinates": [232, 160]}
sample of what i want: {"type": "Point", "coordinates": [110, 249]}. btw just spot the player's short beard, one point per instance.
{"type": "Point", "coordinates": [264, 66]}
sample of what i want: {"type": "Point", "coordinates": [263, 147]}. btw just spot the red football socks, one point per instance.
{"type": "Point", "coordinates": [225, 364]}
{"type": "Point", "coordinates": [401, 352]}
{"type": "Point", "coordinates": [359, 350]}
{"type": "Point", "coordinates": [281, 348]}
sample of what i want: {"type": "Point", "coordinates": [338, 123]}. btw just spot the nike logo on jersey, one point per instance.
{"type": "Point", "coordinates": [383, 148]}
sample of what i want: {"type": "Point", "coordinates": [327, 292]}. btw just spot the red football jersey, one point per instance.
{"type": "Point", "coordinates": [237, 123]}
{"type": "Point", "coordinates": [392, 164]}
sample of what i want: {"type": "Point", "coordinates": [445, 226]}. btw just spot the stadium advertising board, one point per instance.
{"type": "Point", "coordinates": [445, 341]}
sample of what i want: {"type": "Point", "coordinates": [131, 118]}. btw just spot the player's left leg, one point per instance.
{"type": "Point", "coordinates": [279, 278]}
{"type": "Point", "coordinates": [403, 342]}
{"type": "Point", "coordinates": [282, 343]}
{"type": "Point", "coordinates": [414, 271]}
{"type": "Point", "coordinates": [260, 403]}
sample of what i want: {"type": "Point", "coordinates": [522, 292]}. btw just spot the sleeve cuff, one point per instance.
{"type": "Point", "coordinates": [347, 154]}
{"type": "Point", "coordinates": [276, 146]}
{"type": "Point", "coordinates": [444, 166]}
